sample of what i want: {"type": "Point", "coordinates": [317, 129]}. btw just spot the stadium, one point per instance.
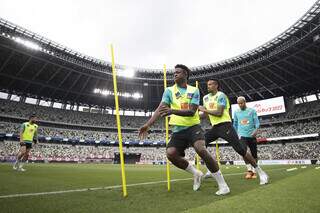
{"type": "Point", "coordinates": [77, 166]}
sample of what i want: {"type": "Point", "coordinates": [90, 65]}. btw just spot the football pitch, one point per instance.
{"type": "Point", "coordinates": [96, 188]}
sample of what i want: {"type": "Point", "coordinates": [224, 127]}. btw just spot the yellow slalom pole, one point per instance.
{"type": "Point", "coordinates": [217, 153]}
{"type": "Point", "coordinates": [114, 74]}
{"type": "Point", "coordinates": [167, 128]}
{"type": "Point", "coordinates": [197, 156]}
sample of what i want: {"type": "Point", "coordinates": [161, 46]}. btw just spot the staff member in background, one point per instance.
{"type": "Point", "coordinates": [246, 123]}
{"type": "Point", "coordinates": [28, 134]}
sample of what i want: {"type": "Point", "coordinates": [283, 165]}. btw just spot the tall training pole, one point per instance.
{"type": "Point", "coordinates": [217, 153]}
{"type": "Point", "coordinates": [167, 128]}
{"type": "Point", "coordinates": [115, 88]}
{"type": "Point", "coordinates": [197, 156]}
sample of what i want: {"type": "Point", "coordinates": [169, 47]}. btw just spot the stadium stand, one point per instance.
{"type": "Point", "coordinates": [302, 150]}
{"type": "Point", "coordinates": [23, 110]}
{"type": "Point", "coordinates": [299, 128]}
{"type": "Point", "coordinates": [287, 124]}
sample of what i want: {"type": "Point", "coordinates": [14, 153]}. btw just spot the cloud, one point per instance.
{"type": "Point", "coordinates": [148, 33]}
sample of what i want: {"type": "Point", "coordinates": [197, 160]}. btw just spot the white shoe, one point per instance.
{"type": "Point", "coordinates": [223, 190]}
{"type": "Point", "coordinates": [22, 169]}
{"type": "Point", "coordinates": [207, 175]}
{"type": "Point", "coordinates": [197, 181]}
{"type": "Point", "coordinates": [264, 178]}
{"type": "Point", "coordinates": [15, 167]}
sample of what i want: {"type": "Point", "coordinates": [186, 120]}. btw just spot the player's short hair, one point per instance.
{"type": "Point", "coordinates": [32, 116]}
{"type": "Point", "coordinates": [215, 80]}
{"type": "Point", "coordinates": [241, 98]}
{"type": "Point", "coordinates": [185, 68]}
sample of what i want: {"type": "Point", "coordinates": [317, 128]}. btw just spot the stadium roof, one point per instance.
{"type": "Point", "coordinates": [33, 66]}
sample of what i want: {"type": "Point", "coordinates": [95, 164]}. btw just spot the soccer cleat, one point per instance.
{"type": "Point", "coordinates": [248, 175]}
{"type": "Point", "coordinates": [21, 169]}
{"type": "Point", "coordinates": [197, 181]}
{"type": "Point", "coordinates": [254, 175]}
{"type": "Point", "coordinates": [264, 178]}
{"type": "Point", "coordinates": [223, 190]}
{"type": "Point", "coordinates": [207, 175]}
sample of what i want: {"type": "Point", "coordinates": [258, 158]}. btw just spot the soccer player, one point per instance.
{"type": "Point", "coordinates": [28, 134]}
{"type": "Point", "coordinates": [216, 106]}
{"type": "Point", "coordinates": [246, 123]}
{"type": "Point", "coordinates": [181, 102]}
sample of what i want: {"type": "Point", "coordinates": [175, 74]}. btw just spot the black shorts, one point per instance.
{"type": "Point", "coordinates": [252, 144]}
{"type": "Point", "coordinates": [186, 138]}
{"type": "Point", "coordinates": [227, 132]}
{"type": "Point", "coordinates": [27, 144]}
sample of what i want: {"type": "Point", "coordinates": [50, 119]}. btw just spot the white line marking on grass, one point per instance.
{"type": "Point", "coordinates": [88, 189]}
{"type": "Point", "coordinates": [318, 167]}
{"type": "Point", "coordinates": [292, 169]}
{"type": "Point", "coordinates": [303, 167]}
{"type": "Point", "coordinates": [108, 187]}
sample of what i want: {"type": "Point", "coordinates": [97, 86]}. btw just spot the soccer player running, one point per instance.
{"type": "Point", "coordinates": [28, 134]}
{"type": "Point", "coordinates": [216, 106]}
{"type": "Point", "coordinates": [181, 102]}
{"type": "Point", "coordinates": [246, 123]}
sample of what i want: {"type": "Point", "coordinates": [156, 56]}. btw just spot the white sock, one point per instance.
{"type": "Point", "coordinates": [219, 178]}
{"type": "Point", "coordinates": [208, 172]}
{"type": "Point", "coordinates": [249, 167]}
{"type": "Point", "coordinates": [17, 162]}
{"type": "Point", "coordinates": [21, 164]}
{"type": "Point", "coordinates": [259, 170]}
{"type": "Point", "coordinates": [191, 169]}
{"type": "Point", "coordinates": [253, 169]}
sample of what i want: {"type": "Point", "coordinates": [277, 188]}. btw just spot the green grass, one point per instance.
{"type": "Point", "coordinates": [295, 191]}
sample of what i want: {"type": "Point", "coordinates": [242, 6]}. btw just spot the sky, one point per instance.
{"type": "Point", "coordinates": [150, 33]}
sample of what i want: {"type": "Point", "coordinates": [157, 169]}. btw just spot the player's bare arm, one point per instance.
{"type": "Point", "coordinates": [218, 112]}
